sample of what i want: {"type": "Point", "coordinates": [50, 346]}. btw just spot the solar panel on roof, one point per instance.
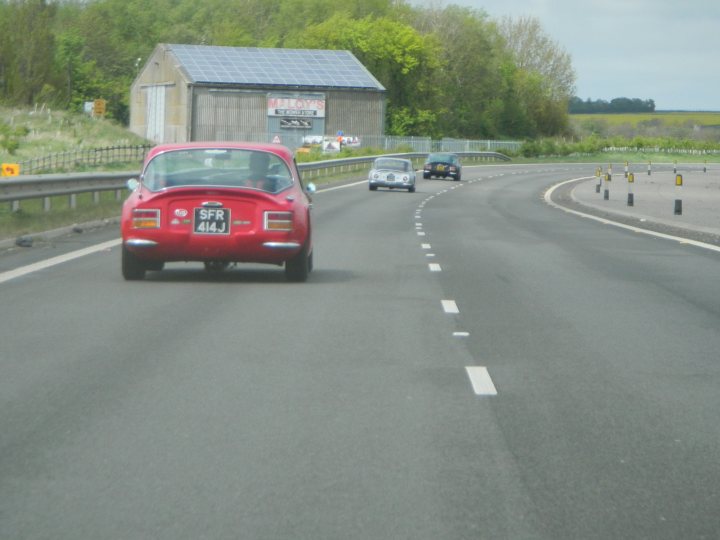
{"type": "Point", "coordinates": [274, 67]}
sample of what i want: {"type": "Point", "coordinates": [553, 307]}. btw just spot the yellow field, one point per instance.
{"type": "Point", "coordinates": [664, 118]}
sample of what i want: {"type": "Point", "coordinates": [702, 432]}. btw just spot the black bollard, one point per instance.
{"type": "Point", "coordinates": [608, 179]}
{"type": "Point", "coordinates": [678, 201]}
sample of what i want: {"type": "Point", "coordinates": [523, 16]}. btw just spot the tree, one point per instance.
{"type": "Point", "coordinates": [69, 59]}
{"type": "Point", "coordinates": [472, 80]}
{"type": "Point", "coordinates": [616, 105]}
{"type": "Point", "coordinates": [27, 49]}
{"type": "Point", "coordinates": [535, 52]}
{"type": "Point", "coordinates": [393, 52]}
{"type": "Point", "coordinates": [545, 78]}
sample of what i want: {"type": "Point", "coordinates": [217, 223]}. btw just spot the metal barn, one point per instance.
{"type": "Point", "coordinates": [197, 92]}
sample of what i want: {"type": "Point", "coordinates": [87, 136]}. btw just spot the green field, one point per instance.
{"type": "Point", "coordinates": [657, 118]}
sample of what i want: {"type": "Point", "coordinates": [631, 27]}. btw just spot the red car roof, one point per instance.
{"type": "Point", "coordinates": [281, 151]}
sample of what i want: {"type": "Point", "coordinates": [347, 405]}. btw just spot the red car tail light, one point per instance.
{"type": "Point", "coordinates": [278, 221]}
{"type": "Point", "coordinates": [146, 218]}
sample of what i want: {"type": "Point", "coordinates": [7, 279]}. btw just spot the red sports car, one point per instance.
{"type": "Point", "coordinates": [217, 203]}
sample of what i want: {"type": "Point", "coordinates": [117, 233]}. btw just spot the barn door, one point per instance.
{"type": "Point", "coordinates": [156, 113]}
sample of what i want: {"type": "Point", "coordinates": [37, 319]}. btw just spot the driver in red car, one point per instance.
{"type": "Point", "coordinates": [259, 162]}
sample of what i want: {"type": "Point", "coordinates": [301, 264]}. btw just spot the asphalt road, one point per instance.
{"type": "Point", "coordinates": [465, 362]}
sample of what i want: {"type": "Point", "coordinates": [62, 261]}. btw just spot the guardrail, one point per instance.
{"type": "Point", "coordinates": [44, 186]}
{"type": "Point", "coordinates": [340, 166]}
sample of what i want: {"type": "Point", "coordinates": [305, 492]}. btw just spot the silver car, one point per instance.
{"type": "Point", "coordinates": [393, 173]}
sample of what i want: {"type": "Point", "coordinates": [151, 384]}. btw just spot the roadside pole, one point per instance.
{"type": "Point", "coordinates": [678, 190]}
{"type": "Point", "coordinates": [608, 179]}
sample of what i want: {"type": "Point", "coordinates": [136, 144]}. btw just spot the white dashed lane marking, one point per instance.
{"type": "Point", "coordinates": [481, 382]}
{"type": "Point", "coordinates": [480, 379]}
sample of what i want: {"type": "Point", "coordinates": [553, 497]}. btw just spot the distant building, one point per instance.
{"type": "Point", "coordinates": [198, 93]}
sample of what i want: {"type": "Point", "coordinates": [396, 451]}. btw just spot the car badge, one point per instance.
{"type": "Point", "coordinates": [181, 212]}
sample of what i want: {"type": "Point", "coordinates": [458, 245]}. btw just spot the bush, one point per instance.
{"type": "Point", "coordinates": [530, 149]}
{"type": "Point", "coordinates": [10, 137]}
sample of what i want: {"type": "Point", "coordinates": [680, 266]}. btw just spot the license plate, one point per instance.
{"type": "Point", "coordinates": [212, 221]}
{"type": "Point", "coordinates": [441, 167]}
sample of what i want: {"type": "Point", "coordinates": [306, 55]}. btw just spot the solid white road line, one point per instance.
{"type": "Point", "coordinates": [548, 200]}
{"type": "Point", "coordinates": [345, 186]}
{"type": "Point", "coordinates": [481, 382]}
{"type": "Point", "coordinates": [41, 265]}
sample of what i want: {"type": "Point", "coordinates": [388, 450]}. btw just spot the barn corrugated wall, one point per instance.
{"type": "Point", "coordinates": [228, 115]}
{"type": "Point", "coordinates": [355, 113]}
{"type": "Point", "coordinates": [225, 115]}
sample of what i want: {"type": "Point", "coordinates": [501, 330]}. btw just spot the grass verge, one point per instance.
{"type": "Point", "coordinates": [32, 218]}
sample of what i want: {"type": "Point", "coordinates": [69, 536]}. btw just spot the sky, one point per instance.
{"type": "Point", "coordinates": [664, 50]}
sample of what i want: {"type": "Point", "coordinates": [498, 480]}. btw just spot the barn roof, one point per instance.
{"type": "Point", "coordinates": [251, 66]}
